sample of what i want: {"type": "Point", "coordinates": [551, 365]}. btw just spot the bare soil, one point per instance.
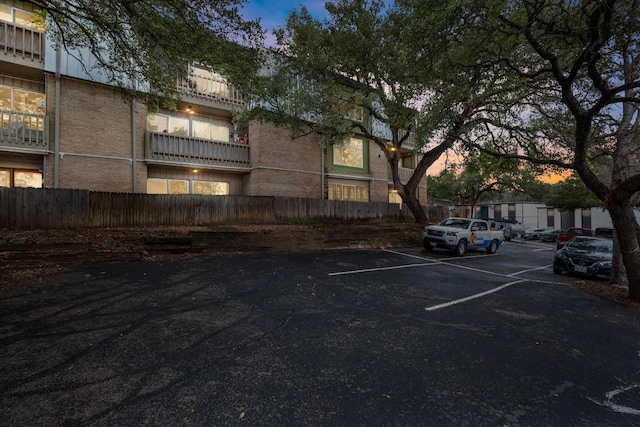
{"type": "Point", "coordinates": [31, 256]}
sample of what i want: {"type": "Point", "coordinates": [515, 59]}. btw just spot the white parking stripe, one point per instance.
{"type": "Point", "coordinates": [368, 270]}
{"type": "Point", "coordinates": [443, 261]}
{"type": "Point", "coordinates": [470, 297]}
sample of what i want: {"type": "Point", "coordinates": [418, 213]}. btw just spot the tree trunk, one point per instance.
{"type": "Point", "coordinates": [414, 206]}
{"type": "Point", "coordinates": [618, 272]}
{"type": "Point", "coordinates": [625, 226]}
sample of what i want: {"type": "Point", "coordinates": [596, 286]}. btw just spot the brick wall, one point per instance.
{"type": "Point", "coordinates": [95, 138]}
{"type": "Point", "coordinates": [282, 166]}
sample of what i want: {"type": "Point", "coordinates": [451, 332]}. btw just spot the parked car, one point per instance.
{"type": "Point", "coordinates": [587, 256]}
{"type": "Point", "coordinates": [604, 232]}
{"type": "Point", "coordinates": [511, 229]}
{"type": "Point", "coordinates": [551, 235]}
{"type": "Point", "coordinates": [572, 232]}
{"type": "Point", "coordinates": [534, 233]}
{"type": "Point", "coordinates": [460, 234]}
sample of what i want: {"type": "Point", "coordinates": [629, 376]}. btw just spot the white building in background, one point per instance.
{"type": "Point", "coordinates": [539, 215]}
{"type": "Point", "coordinates": [594, 217]}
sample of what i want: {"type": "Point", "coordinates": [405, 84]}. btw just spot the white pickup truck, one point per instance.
{"type": "Point", "coordinates": [460, 234]}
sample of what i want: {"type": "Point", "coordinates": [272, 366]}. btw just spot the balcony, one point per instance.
{"type": "Point", "coordinates": [163, 148]}
{"type": "Point", "coordinates": [23, 132]}
{"type": "Point", "coordinates": [405, 174]}
{"type": "Point", "coordinates": [20, 42]}
{"type": "Point", "coordinates": [211, 88]}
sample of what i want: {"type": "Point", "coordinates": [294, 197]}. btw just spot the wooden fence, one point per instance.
{"type": "Point", "coordinates": [30, 209]}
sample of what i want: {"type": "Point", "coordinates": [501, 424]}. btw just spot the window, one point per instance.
{"type": "Point", "coordinates": [210, 130]}
{"type": "Point", "coordinates": [20, 17]}
{"type": "Point", "coordinates": [211, 188]}
{"type": "Point", "coordinates": [356, 114]}
{"type": "Point", "coordinates": [176, 186]}
{"type": "Point", "coordinates": [209, 82]}
{"type": "Point", "coordinates": [481, 226]}
{"type": "Point", "coordinates": [156, 186]}
{"type": "Point", "coordinates": [204, 128]}
{"type": "Point", "coordinates": [350, 153]}
{"type": "Point", "coordinates": [348, 192]}
{"type": "Point", "coordinates": [21, 100]}
{"type": "Point", "coordinates": [5, 178]}
{"type": "Point", "coordinates": [20, 178]}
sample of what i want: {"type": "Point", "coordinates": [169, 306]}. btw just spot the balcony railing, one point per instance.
{"type": "Point", "coordinates": [182, 150]}
{"type": "Point", "coordinates": [22, 42]}
{"type": "Point", "coordinates": [404, 173]}
{"type": "Point", "coordinates": [23, 131]}
{"type": "Point", "coordinates": [211, 88]}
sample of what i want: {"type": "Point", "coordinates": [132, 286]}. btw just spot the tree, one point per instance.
{"type": "Point", "coordinates": [153, 42]}
{"type": "Point", "coordinates": [572, 194]}
{"type": "Point", "coordinates": [581, 61]}
{"type": "Point", "coordinates": [480, 176]}
{"type": "Point", "coordinates": [575, 68]}
{"type": "Point", "coordinates": [365, 55]}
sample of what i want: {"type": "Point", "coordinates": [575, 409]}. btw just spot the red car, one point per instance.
{"type": "Point", "coordinates": [572, 232]}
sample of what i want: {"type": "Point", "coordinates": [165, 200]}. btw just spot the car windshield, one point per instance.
{"type": "Point", "coordinates": [591, 245]}
{"type": "Point", "coordinates": [456, 222]}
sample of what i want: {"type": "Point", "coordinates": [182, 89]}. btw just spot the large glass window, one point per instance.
{"type": "Point", "coordinates": [348, 192]}
{"type": "Point", "coordinates": [350, 153]}
{"type": "Point", "coordinates": [210, 129]}
{"type": "Point", "coordinates": [176, 186]}
{"type": "Point", "coordinates": [21, 100]}
{"type": "Point", "coordinates": [211, 188]}
{"type": "Point", "coordinates": [20, 178]}
{"type": "Point", "coordinates": [27, 179]}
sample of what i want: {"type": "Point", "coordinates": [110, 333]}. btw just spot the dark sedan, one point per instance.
{"type": "Point", "coordinates": [586, 256]}
{"type": "Point", "coordinates": [550, 235]}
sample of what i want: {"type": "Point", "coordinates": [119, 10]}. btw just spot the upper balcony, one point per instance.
{"type": "Point", "coordinates": [404, 174]}
{"type": "Point", "coordinates": [209, 89]}
{"type": "Point", "coordinates": [165, 148]}
{"type": "Point", "coordinates": [23, 132]}
{"type": "Point", "coordinates": [22, 45]}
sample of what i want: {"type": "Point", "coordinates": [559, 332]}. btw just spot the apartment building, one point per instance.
{"type": "Point", "coordinates": [63, 126]}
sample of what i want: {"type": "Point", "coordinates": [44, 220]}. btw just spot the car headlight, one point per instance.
{"type": "Point", "coordinates": [604, 264]}
{"type": "Point", "coordinates": [452, 233]}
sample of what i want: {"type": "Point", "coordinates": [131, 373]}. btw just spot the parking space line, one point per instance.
{"type": "Point", "coordinates": [368, 270]}
{"type": "Point", "coordinates": [443, 261]}
{"type": "Point", "coordinates": [474, 296]}
{"type": "Point", "coordinates": [531, 269]}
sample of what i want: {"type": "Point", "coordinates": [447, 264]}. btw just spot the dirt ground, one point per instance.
{"type": "Point", "coordinates": [31, 256]}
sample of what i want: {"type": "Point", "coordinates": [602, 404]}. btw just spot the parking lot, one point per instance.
{"type": "Point", "coordinates": [352, 338]}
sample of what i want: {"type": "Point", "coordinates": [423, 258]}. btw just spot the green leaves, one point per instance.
{"type": "Point", "coordinates": [151, 43]}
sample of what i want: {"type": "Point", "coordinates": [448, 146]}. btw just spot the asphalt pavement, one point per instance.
{"type": "Point", "coordinates": [333, 338]}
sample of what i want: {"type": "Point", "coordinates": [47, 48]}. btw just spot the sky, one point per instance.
{"type": "Point", "coordinates": [274, 13]}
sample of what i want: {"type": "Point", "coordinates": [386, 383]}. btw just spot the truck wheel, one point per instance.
{"type": "Point", "coordinates": [461, 247]}
{"type": "Point", "coordinates": [493, 247]}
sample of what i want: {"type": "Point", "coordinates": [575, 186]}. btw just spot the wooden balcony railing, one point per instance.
{"type": "Point", "coordinates": [211, 88]}
{"type": "Point", "coordinates": [405, 174]}
{"type": "Point", "coordinates": [23, 131]}
{"type": "Point", "coordinates": [182, 150]}
{"type": "Point", "coordinates": [21, 42]}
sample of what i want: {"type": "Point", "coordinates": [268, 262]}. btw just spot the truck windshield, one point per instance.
{"type": "Point", "coordinates": [456, 222]}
